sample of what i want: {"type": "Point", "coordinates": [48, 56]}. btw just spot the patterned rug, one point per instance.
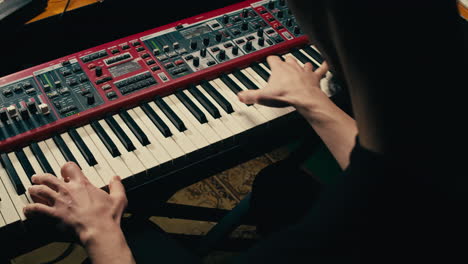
{"type": "Point", "coordinates": [223, 191]}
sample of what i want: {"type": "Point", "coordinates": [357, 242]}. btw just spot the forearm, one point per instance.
{"type": "Point", "coordinates": [336, 128]}
{"type": "Point", "coordinates": [108, 246]}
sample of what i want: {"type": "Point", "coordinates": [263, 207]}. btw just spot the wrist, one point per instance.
{"type": "Point", "coordinates": [92, 234]}
{"type": "Point", "coordinates": [318, 110]}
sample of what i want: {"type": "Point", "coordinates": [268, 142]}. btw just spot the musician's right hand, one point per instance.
{"type": "Point", "coordinates": [92, 212]}
{"type": "Point", "coordinates": [290, 84]}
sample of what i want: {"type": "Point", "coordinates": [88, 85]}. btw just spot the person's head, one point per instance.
{"type": "Point", "coordinates": [394, 57]}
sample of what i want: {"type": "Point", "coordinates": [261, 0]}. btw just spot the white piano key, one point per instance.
{"type": "Point", "coordinates": [167, 148]}
{"type": "Point", "coordinates": [7, 208]}
{"type": "Point", "coordinates": [263, 110]}
{"type": "Point", "coordinates": [19, 201]}
{"type": "Point", "coordinates": [21, 174]}
{"type": "Point", "coordinates": [2, 221]}
{"type": "Point", "coordinates": [308, 56]}
{"type": "Point", "coordinates": [116, 163]}
{"type": "Point", "coordinates": [32, 159]}
{"type": "Point", "coordinates": [293, 57]}
{"type": "Point", "coordinates": [142, 153]}
{"type": "Point", "coordinates": [88, 171]}
{"type": "Point", "coordinates": [249, 72]}
{"type": "Point", "coordinates": [248, 115]}
{"type": "Point", "coordinates": [263, 65]}
{"type": "Point", "coordinates": [56, 153]}
{"type": "Point", "coordinates": [215, 123]}
{"type": "Point", "coordinates": [192, 133]}
{"type": "Point", "coordinates": [179, 137]}
{"type": "Point", "coordinates": [102, 167]}
{"type": "Point", "coordinates": [50, 158]}
{"type": "Point", "coordinates": [228, 120]}
{"type": "Point", "coordinates": [129, 158]}
{"type": "Point", "coordinates": [204, 131]}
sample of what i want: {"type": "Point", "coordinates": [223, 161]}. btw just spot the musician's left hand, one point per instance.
{"type": "Point", "coordinates": [92, 212]}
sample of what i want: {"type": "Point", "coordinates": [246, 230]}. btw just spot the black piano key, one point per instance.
{"type": "Point", "coordinates": [10, 170]}
{"type": "Point", "coordinates": [88, 156]}
{"type": "Point", "coordinates": [245, 80]}
{"type": "Point", "coordinates": [267, 65]}
{"type": "Point", "coordinates": [36, 150]}
{"type": "Point", "coordinates": [201, 98]}
{"type": "Point", "coordinates": [230, 84]}
{"type": "Point", "coordinates": [128, 144]}
{"type": "Point", "coordinates": [170, 114]}
{"type": "Point", "coordinates": [217, 97]}
{"type": "Point", "coordinates": [303, 58]}
{"type": "Point", "coordinates": [260, 71]}
{"type": "Point", "coordinates": [28, 169]}
{"type": "Point", "coordinates": [136, 130]}
{"type": "Point", "coordinates": [106, 140]}
{"type": "Point", "coordinates": [64, 149]}
{"type": "Point", "coordinates": [196, 112]}
{"type": "Point", "coordinates": [157, 121]}
{"type": "Point", "coordinates": [314, 54]}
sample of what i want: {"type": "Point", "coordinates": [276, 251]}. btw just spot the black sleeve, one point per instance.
{"type": "Point", "coordinates": [337, 227]}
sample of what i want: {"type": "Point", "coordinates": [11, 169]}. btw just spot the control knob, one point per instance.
{"type": "Point", "coordinates": [90, 99]}
{"type": "Point", "coordinates": [271, 4]}
{"type": "Point", "coordinates": [98, 70]}
{"type": "Point", "coordinates": [3, 115]}
{"type": "Point", "coordinates": [245, 25]}
{"type": "Point", "coordinates": [245, 13]}
{"type": "Point", "coordinates": [260, 33]}
{"type": "Point", "coordinates": [289, 22]}
{"type": "Point", "coordinates": [261, 42]}
{"type": "Point", "coordinates": [282, 2]}
{"type": "Point", "coordinates": [193, 44]}
{"type": "Point", "coordinates": [235, 50]}
{"type": "Point", "coordinates": [225, 19]}
{"type": "Point", "coordinates": [280, 14]}
{"type": "Point", "coordinates": [248, 45]}
{"type": "Point", "coordinates": [296, 30]}
{"type": "Point", "coordinates": [218, 37]}
{"type": "Point", "coordinates": [203, 52]}
{"type": "Point", "coordinates": [196, 61]}
{"type": "Point", "coordinates": [222, 54]}
{"type": "Point", "coordinates": [206, 41]}
{"type": "Point", "coordinates": [24, 113]}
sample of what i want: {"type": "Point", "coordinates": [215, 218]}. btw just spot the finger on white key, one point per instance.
{"type": "Point", "coordinates": [90, 172]}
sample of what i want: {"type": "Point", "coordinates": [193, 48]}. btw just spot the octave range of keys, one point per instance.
{"type": "Point", "coordinates": [135, 142]}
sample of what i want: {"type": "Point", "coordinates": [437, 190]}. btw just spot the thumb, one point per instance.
{"type": "Point", "coordinates": [117, 193]}
{"type": "Point", "coordinates": [267, 96]}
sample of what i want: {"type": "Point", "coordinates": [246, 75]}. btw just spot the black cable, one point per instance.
{"type": "Point", "coordinates": [66, 7]}
{"type": "Point", "coordinates": [65, 254]}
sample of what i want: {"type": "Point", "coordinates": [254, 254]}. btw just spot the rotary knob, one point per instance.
{"type": "Point", "coordinates": [218, 37]}
{"type": "Point", "coordinates": [222, 54]}
{"type": "Point", "coordinates": [235, 50]}
{"type": "Point", "coordinates": [261, 42]}
{"type": "Point", "coordinates": [206, 41]}
{"type": "Point", "coordinates": [203, 52]}
{"type": "Point", "coordinates": [196, 61]}
{"type": "Point", "coordinates": [280, 14]}
{"type": "Point", "coordinates": [289, 22]}
{"type": "Point", "coordinates": [271, 5]}
{"type": "Point", "coordinates": [98, 71]}
{"type": "Point", "coordinates": [248, 45]}
{"type": "Point", "coordinates": [260, 33]}
{"type": "Point", "coordinates": [296, 30]}
{"type": "Point", "coordinates": [225, 19]}
{"type": "Point", "coordinates": [193, 44]}
{"type": "Point", "coordinates": [245, 25]}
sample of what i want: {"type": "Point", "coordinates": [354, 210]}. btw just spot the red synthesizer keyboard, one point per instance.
{"type": "Point", "coordinates": [137, 104]}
